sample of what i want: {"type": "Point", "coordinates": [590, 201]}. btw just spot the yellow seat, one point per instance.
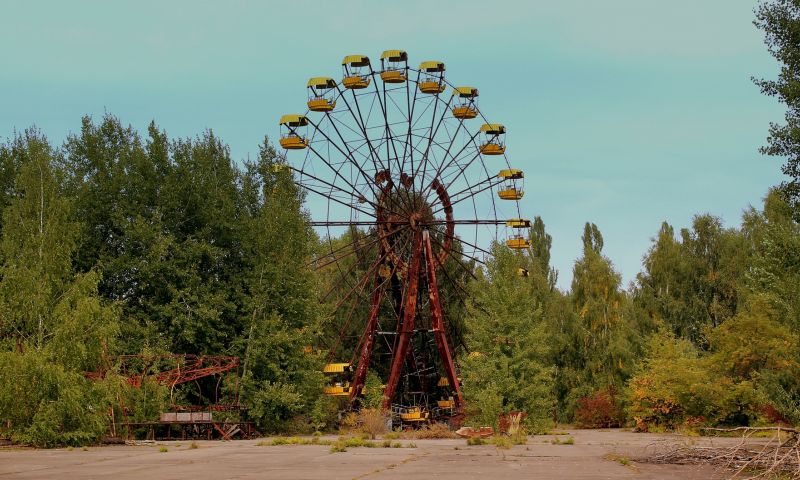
{"type": "Point", "coordinates": [356, 82]}
{"type": "Point", "coordinates": [431, 86]}
{"type": "Point", "coordinates": [510, 194]}
{"type": "Point", "coordinates": [443, 382]}
{"type": "Point", "coordinates": [336, 391]}
{"type": "Point", "coordinates": [518, 243]}
{"type": "Point", "coordinates": [321, 105]}
{"type": "Point", "coordinates": [465, 112]}
{"type": "Point", "coordinates": [414, 414]}
{"type": "Point", "coordinates": [493, 149]}
{"type": "Point", "coordinates": [445, 403]}
{"type": "Point", "coordinates": [393, 76]}
{"type": "Point", "coordinates": [293, 142]}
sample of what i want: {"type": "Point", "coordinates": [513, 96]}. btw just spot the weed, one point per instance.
{"type": "Point", "coordinates": [163, 450]}
{"type": "Point", "coordinates": [338, 447]}
{"type": "Point", "coordinates": [476, 441]}
{"type": "Point", "coordinates": [194, 446]}
{"type": "Point", "coordinates": [558, 441]}
{"type": "Point", "coordinates": [85, 449]}
{"type": "Point", "coordinates": [435, 430]}
{"type": "Point", "coordinates": [392, 435]}
{"type": "Point", "coordinates": [502, 442]}
{"type": "Point", "coordinates": [624, 461]}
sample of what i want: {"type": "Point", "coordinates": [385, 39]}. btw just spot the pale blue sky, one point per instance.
{"type": "Point", "coordinates": [622, 112]}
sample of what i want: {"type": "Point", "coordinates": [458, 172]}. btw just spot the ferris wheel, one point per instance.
{"type": "Point", "coordinates": [402, 170]}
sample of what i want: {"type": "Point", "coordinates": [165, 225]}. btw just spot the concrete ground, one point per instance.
{"type": "Point", "coordinates": [595, 454]}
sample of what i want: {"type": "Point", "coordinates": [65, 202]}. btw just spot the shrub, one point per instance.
{"type": "Point", "coordinates": [46, 406]}
{"type": "Point", "coordinates": [372, 421]}
{"type": "Point", "coordinates": [599, 411]}
{"type": "Point", "coordinates": [434, 430]}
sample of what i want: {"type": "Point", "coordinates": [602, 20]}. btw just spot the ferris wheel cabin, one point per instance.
{"type": "Point", "coordinates": [518, 242]}
{"type": "Point", "coordinates": [321, 91]}
{"type": "Point", "coordinates": [394, 65]}
{"type": "Point", "coordinates": [510, 190]}
{"type": "Point", "coordinates": [357, 71]}
{"type": "Point", "coordinates": [432, 80]}
{"type": "Point", "coordinates": [339, 375]}
{"type": "Point", "coordinates": [290, 138]}
{"type": "Point", "coordinates": [466, 106]}
{"type": "Point", "coordinates": [495, 136]}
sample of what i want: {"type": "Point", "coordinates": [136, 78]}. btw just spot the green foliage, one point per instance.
{"type": "Point", "coordinates": [373, 399]}
{"type": "Point", "coordinates": [45, 405]}
{"type": "Point", "coordinates": [780, 21]}
{"type": "Point", "coordinates": [507, 333]}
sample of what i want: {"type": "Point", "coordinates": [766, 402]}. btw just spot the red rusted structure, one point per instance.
{"type": "Point", "coordinates": [184, 368]}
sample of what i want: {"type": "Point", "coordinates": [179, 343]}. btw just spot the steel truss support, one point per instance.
{"type": "Point", "coordinates": [422, 251]}
{"type": "Point", "coordinates": [367, 341]}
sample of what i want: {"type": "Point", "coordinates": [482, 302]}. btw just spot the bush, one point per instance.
{"type": "Point", "coordinates": [599, 411]}
{"type": "Point", "coordinates": [372, 421]}
{"type": "Point", "coordinates": [434, 430]}
{"type": "Point", "coordinates": [46, 406]}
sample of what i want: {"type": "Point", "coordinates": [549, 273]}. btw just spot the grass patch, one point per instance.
{"type": "Point", "coordinates": [621, 459]}
{"type": "Point", "coordinates": [472, 441]}
{"type": "Point", "coordinates": [502, 442]}
{"type": "Point", "coordinates": [392, 435]}
{"type": "Point", "coordinates": [194, 446]}
{"type": "Point", "coordinates": [558, 441]}
{"type": "Point", "coordinates": [163, 450]}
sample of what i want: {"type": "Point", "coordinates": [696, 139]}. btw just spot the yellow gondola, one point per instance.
{"type": "Point", "coordinates": [357, 71]}
{"type": "Point", "coordinates": [433, 77]}
{"type": "Point", "coordinates": [446, 403]}
{"type": "Point", "coordinates": [466, 106]}
{"type": "Point", "coordinates": [394, 64]}
{"type": "Point", "coordinates": [518, 242]}
{"type": "Point", "coordinates": [522, 272]}
{"type": "Point", "coordinates": [414, 414]}
{"type": "Point", "coordinates": [495, 139]}
{"type": "Point", "coordinates": [518, 223]}
{"type": "Point", "coordinates": [290, 139]}
{"type": "Point", "coordinates": [443, 382]}
{"type": "Point", "coordinates": [336, 390]}
{"type": "Point", "coordinates": [320, 94]}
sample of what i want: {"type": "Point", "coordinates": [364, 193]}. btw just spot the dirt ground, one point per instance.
{"type": "Point", "coordinates": [595, 454]}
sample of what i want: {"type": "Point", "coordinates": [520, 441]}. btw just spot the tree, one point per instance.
{"type": "Point", "coordinates": [279, 295]}
{"type": "Point", "coordinates": [507, 369]}
{"type": "Point", "coordinates": [780, 22]}
{"type": "Point", "coordinates": [694, 282]}
{"type": "Point", "coordinates": [61, 325]}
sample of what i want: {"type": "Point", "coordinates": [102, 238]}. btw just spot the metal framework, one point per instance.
{"type": "Point", "coordinates": [404, 184]}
